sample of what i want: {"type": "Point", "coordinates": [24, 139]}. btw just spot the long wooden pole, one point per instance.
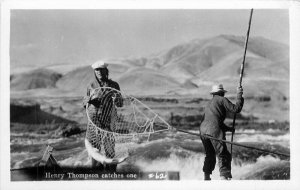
{"type": "Point", "coordinates": [233, 143]}
{"type": "Point", "coordinates": [242, 70]}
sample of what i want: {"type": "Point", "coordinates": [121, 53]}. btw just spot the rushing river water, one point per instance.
{"type": "Point", "coordinates": [167, 152]}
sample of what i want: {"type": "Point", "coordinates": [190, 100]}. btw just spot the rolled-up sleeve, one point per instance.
{"type": "Point", "coordinates": [119, 99]}
{"type": "Point", "coordinates": [86, 98]}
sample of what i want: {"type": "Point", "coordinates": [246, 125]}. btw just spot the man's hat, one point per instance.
{"type": "Point", "coordinates": [217, 88]}
{"type": "Point", "coordinates": [99, 64]}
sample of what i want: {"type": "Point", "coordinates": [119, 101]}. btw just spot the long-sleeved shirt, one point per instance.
{"type": "Point", "coordinates": [215, 114]}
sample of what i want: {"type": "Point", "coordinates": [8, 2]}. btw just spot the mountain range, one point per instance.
{"type": "Point", "coordinates": [190, 68]}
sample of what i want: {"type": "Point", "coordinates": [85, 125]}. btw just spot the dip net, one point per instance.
{"type": "Point", "coordinates": [119, 123]}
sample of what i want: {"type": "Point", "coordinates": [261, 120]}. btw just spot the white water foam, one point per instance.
{"type": "Point", "coordinates": [248, 169]}
{"type": "Point", "coordinates": [283, 140]}
{"type": "Point", "coordinates": [190, 168]}
{"type": "Point", "coordinates": [82, 159]}
{"type": "Point", "coordinates": [36, 141]}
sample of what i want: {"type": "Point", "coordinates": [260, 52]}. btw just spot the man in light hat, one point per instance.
{"type": "Point", "coordinates": [213, 125]}
{"type": "Point", "coordinates": [99, 111]}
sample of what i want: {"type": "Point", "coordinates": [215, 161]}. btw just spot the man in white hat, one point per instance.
{"type": "Point", "coordinates": [213, 125]}
{"type": "Point", "coordinates": [100, 112]}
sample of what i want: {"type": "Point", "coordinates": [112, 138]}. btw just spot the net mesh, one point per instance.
{"type": "Point", "coordinates": [117, 123]}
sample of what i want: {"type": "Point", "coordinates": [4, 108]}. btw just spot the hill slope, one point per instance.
{"type": "Point", "coordinates": [200, 63]}
{"type": "Point", "coordinates": [40, 78]}
{"type": "Point", "coordinates": [192, 67]}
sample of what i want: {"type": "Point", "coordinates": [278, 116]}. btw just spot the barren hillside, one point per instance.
{"type": "Point", "coordinates": [189, 68]}
{"type": "Point", "coordinates": [40, 78]}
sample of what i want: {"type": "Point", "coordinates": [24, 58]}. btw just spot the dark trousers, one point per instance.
{"type": "Point", "coordinates": [212, 149]}
{"type": "Point", "coordinates": [104, 167]}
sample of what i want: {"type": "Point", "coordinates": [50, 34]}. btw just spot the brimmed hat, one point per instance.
{"type": "Point", "coordinates": [99, 64]}
{"type": "Point", "coordinates": [217, 88]}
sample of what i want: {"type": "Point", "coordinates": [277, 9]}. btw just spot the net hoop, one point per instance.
{"type": "Point", "coordinates": [137, 118]}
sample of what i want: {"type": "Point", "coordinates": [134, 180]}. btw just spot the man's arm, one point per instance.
{"type": "Point", "coordinates": [226, 128]}
{"type": "Point", "coordinates": [93, 96]}
{"type": "Point", "coordinates": [87, 98]}
{"type": "Point", "coordinates": [237, 107]}
{"type": "Point", "coordinates": [118, 96]}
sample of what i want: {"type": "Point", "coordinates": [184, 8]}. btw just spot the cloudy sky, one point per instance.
{"type": "Point", "coordinates": [81, 36]}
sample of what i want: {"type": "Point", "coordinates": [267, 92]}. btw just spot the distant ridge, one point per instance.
{"type": "Point", "coordinates": [192, 67]}
{"type": "Point", "coordinates": [40, 78]}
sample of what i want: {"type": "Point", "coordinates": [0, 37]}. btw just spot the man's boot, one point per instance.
{"type": "Point", "coordinates": [207, 176]}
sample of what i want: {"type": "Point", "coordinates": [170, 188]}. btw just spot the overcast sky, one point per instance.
{"type": "Point", "coordinates": [53, 36]}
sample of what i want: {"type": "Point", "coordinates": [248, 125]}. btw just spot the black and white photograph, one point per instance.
{"type": "Point", "coordinates": [148, 94]}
